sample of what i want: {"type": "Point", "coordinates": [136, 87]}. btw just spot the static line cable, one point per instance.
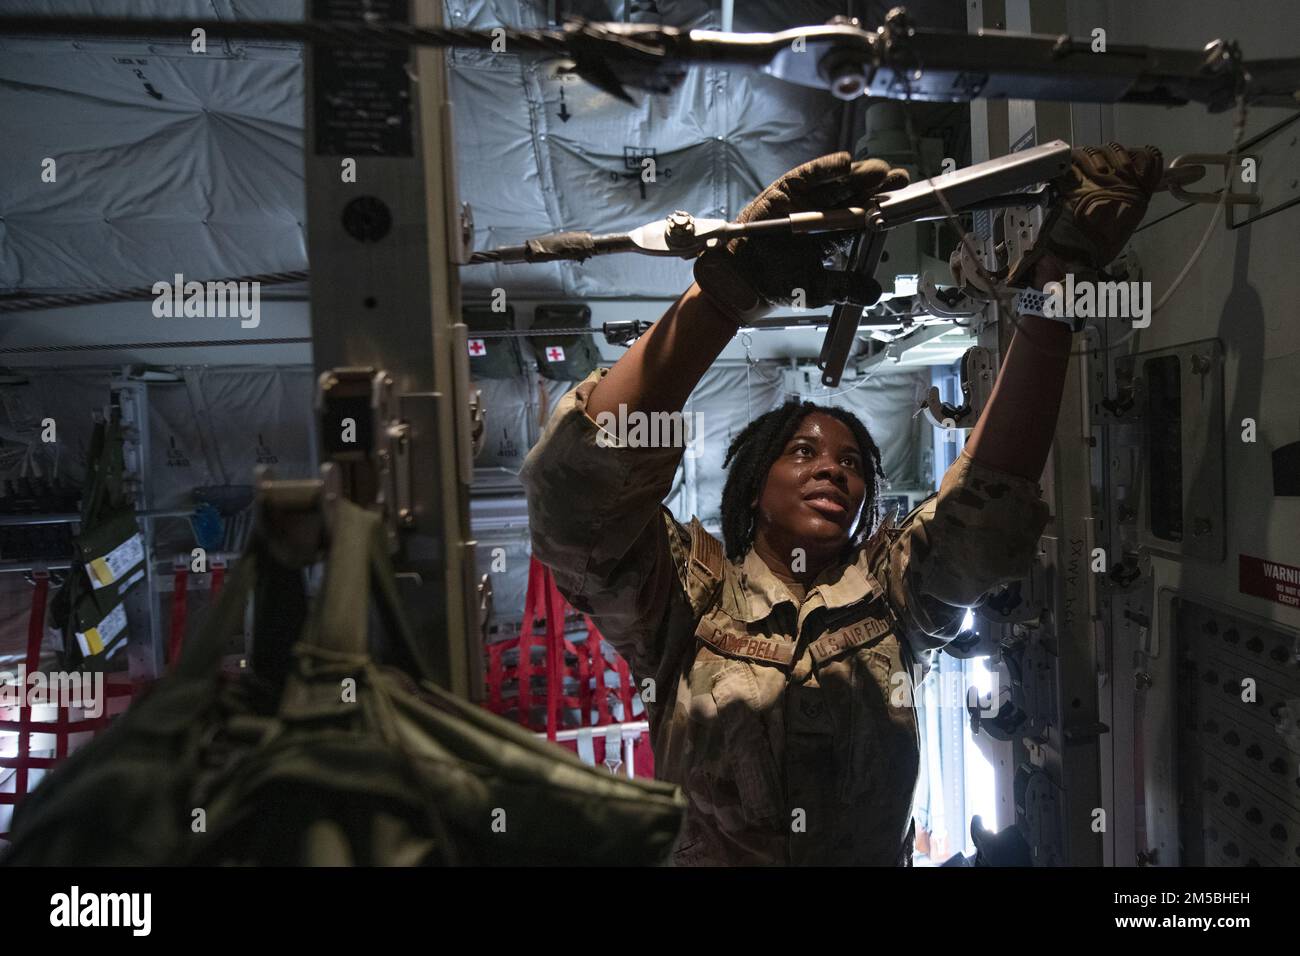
{"type": "Point", "coordinates": [36, 302]}
{"type": "Point", "coordinates": [531, 333]}
{"type": "Point", "coordinates": [863, 380]}
{"type": "Point", "coordinates": [134, 346]}
{"type": "Point", "coordinates": [361, 33]}
{"type": "Point", "coordinates": [654, 57]}
{"type": "Point", "coordinates": [1168, 215]}
{"type": "Point", "coordinates": [1239, 129]}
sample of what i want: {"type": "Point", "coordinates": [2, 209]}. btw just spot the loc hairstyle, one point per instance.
{"type": "Point", "coordinates": [760, 444]}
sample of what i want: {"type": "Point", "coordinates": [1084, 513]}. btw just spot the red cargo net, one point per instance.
{"type": "Point", "coordinates": [19, 719]}
{"type": "Point", "coordinates": [561, 662]}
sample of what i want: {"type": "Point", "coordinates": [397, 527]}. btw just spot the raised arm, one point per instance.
{"type": "Point", "coordinates": [1105, 196]}
{"type": "Point", "coordinates": [982, 528]}
{"type": "Point", "coordinates": [746, 279]}
{"type": "Point", "coordinates": [1015, 432]}
{"type": "Point", "coordinates": [662, 368]}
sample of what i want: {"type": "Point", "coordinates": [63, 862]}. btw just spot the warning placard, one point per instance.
{"type": "Point", "coordinates": [362, 93]}
{"type": "Point", "coordinates": [1268, 579]}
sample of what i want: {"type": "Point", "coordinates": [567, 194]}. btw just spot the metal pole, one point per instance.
{"type": "Point", "coordinates": [35, 519]}
{"type": "Point", "coordinates": [11, 567]}
{"type": "Point", "coordinates": [1071, 750]}
{"type": "Point", "coordinates": [632, 727]}
{"type": "Point", "coordinates": [383, 233]}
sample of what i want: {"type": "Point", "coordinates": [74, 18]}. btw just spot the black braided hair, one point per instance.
{"type": "Point", "coordinates": [760, 444]}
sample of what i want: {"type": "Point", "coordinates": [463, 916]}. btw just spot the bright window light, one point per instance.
{"type": "Point", "coordinates": [981, 795]}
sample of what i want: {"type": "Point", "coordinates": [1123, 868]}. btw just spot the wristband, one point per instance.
{"type": "Point", "coordinates": [1034, 302]}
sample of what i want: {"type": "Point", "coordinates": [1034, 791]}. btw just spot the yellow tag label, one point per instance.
{"type": "Point", "coordinates": [94, 639]}
{"type": "Point", "coordinates": [100, 569]}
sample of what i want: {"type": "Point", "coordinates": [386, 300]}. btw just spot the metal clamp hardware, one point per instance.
{"type": "Point", "coordinates": [1190, 160]}
{"type": "Point", "coordinates": [994, 184]}
{"type": "Point", "coordinates": [976, 387]}
{"type": "Point", "coordinates": [368, 443]}
{"type": "Point", "coordinates": [946, 303]}
{"type": "Point", "coordinates": [478, 421]}
{"type": "Point", "coordinates": [625, 331]}
{"type": "Point", "coordinates": [614, 747]}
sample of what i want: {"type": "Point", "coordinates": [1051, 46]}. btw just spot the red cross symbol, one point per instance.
{"type": "Point", "coordinates": [555, 354]}
{"type": "Point", "coordinates": [476, 347]}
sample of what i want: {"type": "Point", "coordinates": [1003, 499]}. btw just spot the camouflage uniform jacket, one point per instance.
{"type": "Point", "coordinates": [787, 724]}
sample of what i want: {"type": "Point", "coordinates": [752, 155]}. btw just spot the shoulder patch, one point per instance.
{"type": "Point", "coordinates": [705, 549]}
{"type": "Point", "coordinates": [705, 568]}
{"type": "Point", "coordinates": [881, 537]}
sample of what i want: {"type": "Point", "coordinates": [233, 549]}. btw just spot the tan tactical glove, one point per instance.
{"type": "Point", "coordinates": [1103, 198]}
{"type": "Point", "coordinates": [750, 276]}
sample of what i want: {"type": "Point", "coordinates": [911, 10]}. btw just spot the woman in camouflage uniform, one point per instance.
{"type": "Point", "coordinates": [778, 676]}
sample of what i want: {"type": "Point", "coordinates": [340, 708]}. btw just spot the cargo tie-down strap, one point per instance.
{"type": "Point", "coordinates": [180, 603]}
{"type": "Point", "coordinates": [180, 600]}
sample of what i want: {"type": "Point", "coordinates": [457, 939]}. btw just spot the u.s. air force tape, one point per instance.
{"type": "Point", "coordinates": [855, 635]}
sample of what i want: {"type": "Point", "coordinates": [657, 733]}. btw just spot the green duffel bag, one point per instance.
{"type": "Point", "coordinates": [351, 762]}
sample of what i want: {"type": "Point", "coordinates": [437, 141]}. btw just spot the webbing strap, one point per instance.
{"type": "Point", "coordinates": [524, 670]}
{"type": "Point", "coordinates": [338, 621]}
{"type": "Point", "coordinates": [200, 657]}
{"type": "Point", "coordinates": [495, 677]}
{"type": "Point", "coordinates": [180, 599]}
{"type": "Point", "coordinates": [624, 687]}
{"type": "Point", "coordinates": [584, 683]}
{"type": "Point", "coordinates": [554, 653]}
{"type": "Point", "coordinates": [35, 631]}
{"type": "Point", "coordinates": [598, 672]}
{"type": "Point", "coordinates": [358, 568]}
